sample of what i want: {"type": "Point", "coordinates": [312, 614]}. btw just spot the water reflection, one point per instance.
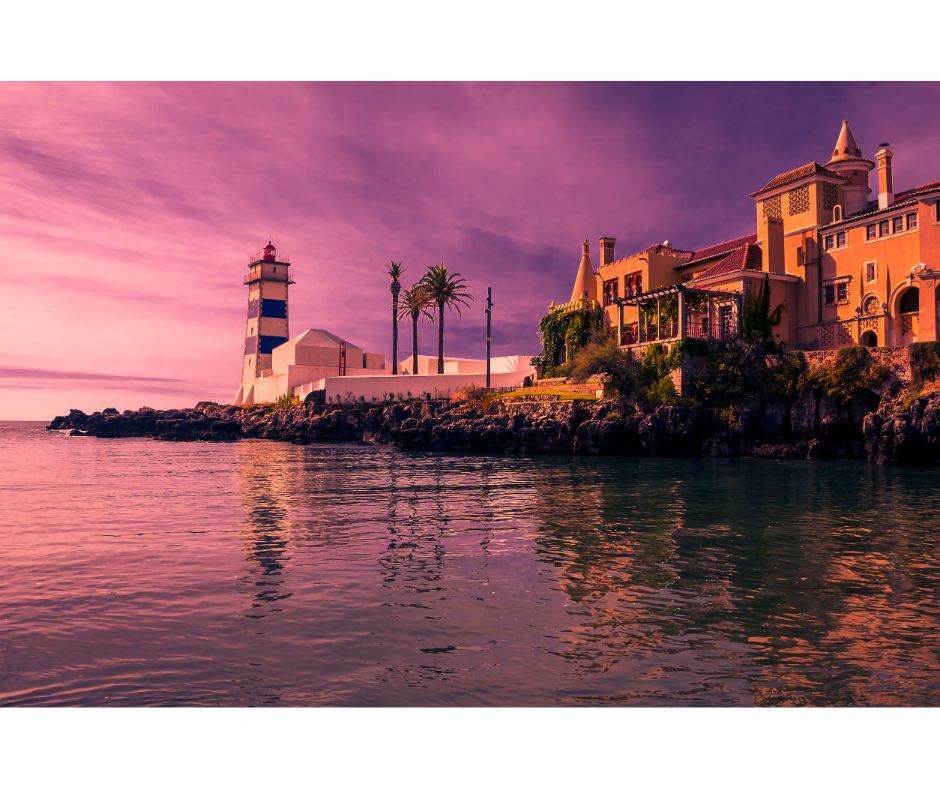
{"type": "Point", "coordinates": [795, 582]}
{"type": "Point", "coordinates": [265, 476]}
{"type": "Point", "coordinates": [357, 575]}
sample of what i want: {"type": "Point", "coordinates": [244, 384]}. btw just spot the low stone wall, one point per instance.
{"type": "Point", "coordinates": [894, 357]}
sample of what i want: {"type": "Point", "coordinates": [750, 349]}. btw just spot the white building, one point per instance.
{"type": "Point", "coordinates": [318, 360]}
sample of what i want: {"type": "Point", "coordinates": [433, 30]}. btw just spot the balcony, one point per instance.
{"type": "Point", "coordinates": [705, 314]}
{"type": "Point", "coordinates": [268, 277]}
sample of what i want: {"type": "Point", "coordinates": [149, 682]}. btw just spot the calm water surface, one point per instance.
{"type": "Point", "coordinates": [136, 572]}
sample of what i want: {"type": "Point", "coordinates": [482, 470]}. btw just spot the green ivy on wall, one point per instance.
{"type": "Point", "coordinates": [564, 332]}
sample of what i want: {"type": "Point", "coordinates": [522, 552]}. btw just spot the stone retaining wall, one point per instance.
{"type": "Point", "coordinates": [894, 357]}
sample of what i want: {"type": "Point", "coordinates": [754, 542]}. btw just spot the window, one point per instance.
{"type": "Point", "coordinates": [871, 271]}
{"type": "Point", "coordinates": [830, 239]}
{"type": "Point", "coordinates": [837, 213]}
{"type": "Point", "coordinates": [631, 284]}
{"type": "Point", "coordinates": [840, 239]}
{"type": "Point", "coordinates": [836, 291]}
{"type": "Point", "coordinates": [884, 228]}
{"type": "Point", "coordinates": [897, 224]}
{"type": "Point", "coordinates": [611, 292]}
{"type": "Point", "coordinates": [871, 307]}
{"type": "Point", "coordinates": [870, 232]}
{"type": "Point", "coordinates": [798, 201]}
{"type": "Point", "coordinates": [771, 207]}
{"type": "Point", "coordinates": [909, 302]}
{"type": "Point", "coordinates": [912, 220]}
{"type": "Point", "coordinates": [936, 206]}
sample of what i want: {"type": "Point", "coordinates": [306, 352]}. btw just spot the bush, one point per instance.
{"type": "Point", "coordinates": [852, 371]}
{"type": "Point", "coordinates": [286, 401]}
{"type": "Point", "coordinates": [602, 355]}
{"type": "Point", "coordinates": [925, 361]}
{"type": "Point", "coordinates": [786, 378]}
{"type": "Point", "coordinates": [662, 392]}
{"type": "Point", "coordinates": [471, 393]}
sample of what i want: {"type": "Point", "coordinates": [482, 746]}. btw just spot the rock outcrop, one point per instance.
{"type": "Point", "coordinates": [903, 432]}
{"type": "Point", "coordinates": [812, 426]}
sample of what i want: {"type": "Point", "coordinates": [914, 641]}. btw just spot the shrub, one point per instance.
{"type": "Point", "coordinates": [786, 377]}
{"type": "Point", "coordinates": [286, 401]}
{"type": "Point", "coordinates": [925, 361]}
{"type": "Point", "coordinates": [662, 392]}
{"type": "Point", "coordinates": [852, 371]}
{"type": "Point", "coordinates": [602, 355]}
{"type": "Point", "coordinates": [470, 393]}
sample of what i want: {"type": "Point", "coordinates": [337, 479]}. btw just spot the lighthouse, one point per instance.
{"type": "Point", "coordinates": [266, 327]}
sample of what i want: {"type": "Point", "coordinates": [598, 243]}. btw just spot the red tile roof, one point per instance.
{"type": "Point", "coordinates": [657, 248]}
{"type": "Point", "coordinates": [715, 250]}
{"type": "Point", "coordinates": [907, 197]}
{"type": "Point", "coordinates": [796, 174]}
{"type": "Point", "coordinates": [745, 257]}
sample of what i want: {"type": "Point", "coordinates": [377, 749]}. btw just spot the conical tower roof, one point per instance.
{"type": "Point", "coordinates": [585, 284]}
{"type": "Point", "coordinates": [846, 148]}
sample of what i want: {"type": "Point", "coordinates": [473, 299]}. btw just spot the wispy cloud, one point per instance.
{"type": "Point", "coordinates": [128, 211]}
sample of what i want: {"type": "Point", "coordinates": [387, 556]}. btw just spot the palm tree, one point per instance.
{"type": "Point", "coordinates": [395, 271]}
{"type": "Point", "coordinates": [448, 289]}
{"type": "Point", "coordinates": [415, 304]}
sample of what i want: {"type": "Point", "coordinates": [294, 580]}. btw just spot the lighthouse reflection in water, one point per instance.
{"type": "Point", "coordinates": [266, 573]}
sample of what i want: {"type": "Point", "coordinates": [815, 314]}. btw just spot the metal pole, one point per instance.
{"type": "Point", "coordinates": [489, 319]}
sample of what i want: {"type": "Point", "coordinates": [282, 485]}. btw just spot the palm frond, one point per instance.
{"type": "Point", "coordinates": [446, 289]}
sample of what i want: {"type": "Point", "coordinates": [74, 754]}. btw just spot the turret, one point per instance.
{"type": "Point", "coordinates": [847, 161]}
{"type": "Point", "coordinates": [585, 284]}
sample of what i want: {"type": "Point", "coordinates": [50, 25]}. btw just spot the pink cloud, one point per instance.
{"type": "Point", "coordinates": [128, 211]}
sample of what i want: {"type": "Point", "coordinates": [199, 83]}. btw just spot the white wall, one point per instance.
{"type": "Point", "coordinates": [386, 387]}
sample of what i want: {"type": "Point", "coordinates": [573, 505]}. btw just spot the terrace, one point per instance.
{"type": "Point", "coordinates": [679, 311]}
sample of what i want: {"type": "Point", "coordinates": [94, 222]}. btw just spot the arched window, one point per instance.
{"type": "Point", "coordinates": [871, 306]}
{"type": "Point", "coordinates": [909, 302]}
{"type": "Point", "coordinates": [837, 213]}
{"type": "Point", "coordinates": [868, 339]}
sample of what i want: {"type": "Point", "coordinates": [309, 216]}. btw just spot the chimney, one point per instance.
{"type": "Point", "coordinates": [885, 176]}
{"type": "Point", "coordinates": [770, 238]}
{"type": "Point", "coordinates": [607, 250]}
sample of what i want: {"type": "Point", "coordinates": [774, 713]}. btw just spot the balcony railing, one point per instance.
{"type": "Point", "coordinates": [699, 329]}
{"type": "Point", "coordinates": [268, 277]}
{"type": "Point", "coordinates": [703, 329]}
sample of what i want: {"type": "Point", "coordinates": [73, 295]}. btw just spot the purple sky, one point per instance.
{"type": "Point", "coordinates": [128, 211]}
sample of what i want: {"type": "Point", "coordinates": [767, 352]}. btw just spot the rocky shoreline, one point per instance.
{"type": "Point", "coordinates": [813, 426]}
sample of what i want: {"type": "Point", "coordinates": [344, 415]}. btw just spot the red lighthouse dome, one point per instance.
{"type": "Point", "coordinates": [270, 253]}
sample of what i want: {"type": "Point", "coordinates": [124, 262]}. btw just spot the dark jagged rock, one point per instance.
{"type": "Point", "coordinates": [810, 426]}
{"type": "Point", "coordinates": [904, 433]}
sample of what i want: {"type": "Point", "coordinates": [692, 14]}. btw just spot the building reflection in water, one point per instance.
{"type": "Point", "coordinates": [265, 480]}
{"type": "Point", "coordinates": [610, 580]}
{"type": "Point", "coordinates": [786, 578]}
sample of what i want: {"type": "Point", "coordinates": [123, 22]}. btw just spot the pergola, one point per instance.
{"type": "Point", "coordinates": [706, 329]}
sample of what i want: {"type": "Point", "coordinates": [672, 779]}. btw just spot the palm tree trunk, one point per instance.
{"type": "Point", "coordinates": [440, 337]}
{"type": "Point", "coordinates": [414, 345]}
{"type": "Point", "coordinates": [395, 334]}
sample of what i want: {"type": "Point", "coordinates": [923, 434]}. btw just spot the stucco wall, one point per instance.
{"type": "Point", "coordinates": [385, 387]}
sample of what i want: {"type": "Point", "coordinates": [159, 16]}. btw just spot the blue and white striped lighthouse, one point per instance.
{"type": "Point", "coordinates": [266, 327]}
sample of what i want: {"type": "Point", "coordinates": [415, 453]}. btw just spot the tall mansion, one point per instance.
{"type": "Point", "coordinates": [849, 269]}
